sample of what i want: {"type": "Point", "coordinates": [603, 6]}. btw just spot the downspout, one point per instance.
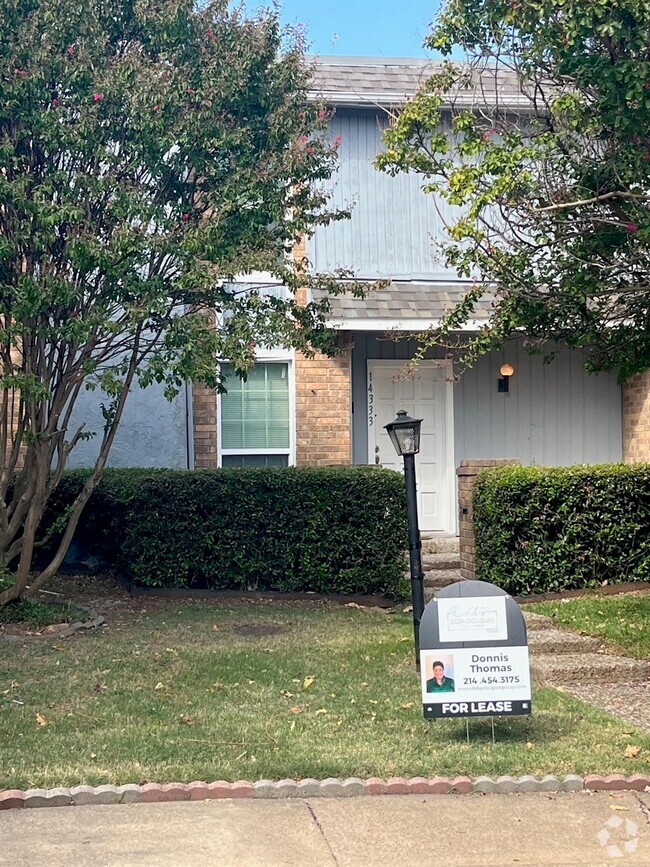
{"type": "Point", "coordinates": [189, 404]}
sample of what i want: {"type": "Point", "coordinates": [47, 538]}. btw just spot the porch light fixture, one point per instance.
{"type": "Point", "coordinates": [404, 433]}
{"type": "Point", "coordinates": [506, 370]}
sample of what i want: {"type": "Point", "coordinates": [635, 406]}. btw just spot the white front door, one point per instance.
{"type": "Point", "coordinates": [426, 393]}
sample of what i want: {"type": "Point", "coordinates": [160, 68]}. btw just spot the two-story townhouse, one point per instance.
{"type": "Point", "coordinates": [327, 411]}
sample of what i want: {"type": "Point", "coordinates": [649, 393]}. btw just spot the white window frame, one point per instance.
{"type": "Point", "coordinates": [276, 355]}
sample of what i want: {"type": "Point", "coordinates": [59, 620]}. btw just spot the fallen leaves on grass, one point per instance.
{"type": "Point", "coordinates": [307, 682]}
{"type": "Point", "coordinates": [296, 709]}
{"type": "Point", "coordinates": [407, 705]}
{"type": "Point", "coordinates": [40, 720]}
{"type": "Point", "coordinates": [631, 751]}
{"type": "Point", "coordinates": [321, 711]}
{"type": "Point", "coordinates": [619, 808]}
{"type": "Point", "coordinates": [188, 719]}
{"type": "Point", "coordinates": [286, 693]}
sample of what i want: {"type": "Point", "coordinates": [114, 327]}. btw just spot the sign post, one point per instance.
{"type": "Point", "coordinates": [474, 653]}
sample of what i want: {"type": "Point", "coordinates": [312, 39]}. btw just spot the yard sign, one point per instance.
{"type": "Point", "coordinates": [474, 653]}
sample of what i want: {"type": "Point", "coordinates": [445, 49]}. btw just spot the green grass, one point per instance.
{"type": "Point", "coordinates": [195, 690]}
{"type": "Point", "coordinates": [38, 614]}
{"type": "Point", "coordinates": [623, 621]}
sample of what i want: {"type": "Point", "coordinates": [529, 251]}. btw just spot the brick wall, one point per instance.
{"type": "Point", "coordinates": [467, 472]}
{"type": "Point", "coordinates": [204, 424]}
{"type": "Point", "coordinates": [204, 420]}
{"type": "Point", "coordinates": [323, 399]}
{"type": "Point", "coordinates": [323, 396]}
{"type": "Point", "coordinates": [636, 418]}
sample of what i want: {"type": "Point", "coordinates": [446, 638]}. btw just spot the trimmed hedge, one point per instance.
{"type": "Point", "coordinates": [327, 530]}
{"type": "Point", "coordinates": [543, 529]}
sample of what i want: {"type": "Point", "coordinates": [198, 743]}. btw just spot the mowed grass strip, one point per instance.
{"type": "Point", "coordinates": [623, 621]}
{"type": "Point", "coordinates": [196, 690]}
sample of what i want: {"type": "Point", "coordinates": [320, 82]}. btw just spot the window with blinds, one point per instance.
{"type": "Point", "coordinates": [255, 417]}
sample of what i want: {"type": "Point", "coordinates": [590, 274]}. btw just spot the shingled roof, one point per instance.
{"type": "Point", "coordinates": [380, 81]}
{"type": "Point", "coordinates": [405, 304]}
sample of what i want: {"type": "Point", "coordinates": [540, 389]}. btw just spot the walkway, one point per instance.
{"type": "Point", "coordinates": [408, 830]}
{"type": "Point", "coordinates": [581, 666]}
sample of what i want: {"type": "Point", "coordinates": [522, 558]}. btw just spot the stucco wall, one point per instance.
{"type": "Point", "coordinates": [152, 433]}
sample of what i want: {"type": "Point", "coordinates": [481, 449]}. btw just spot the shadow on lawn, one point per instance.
{"type": "Point", "coordinates": [545, 728]}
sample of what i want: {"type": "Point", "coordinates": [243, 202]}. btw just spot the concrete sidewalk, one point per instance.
{"type": "Point", "coordinates": [529, 829]}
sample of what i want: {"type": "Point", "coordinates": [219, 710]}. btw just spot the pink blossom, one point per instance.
{"type": "Point", "coordinates": [55, 102]}
{"type": "Point", "coordinates": [156, 108]}
{"type": "Point", "coordinates": [303, 139]}
{"type": "Point", "coordinates": [209, 34]}
{"type": "Point", "coordinates": [631, 227]}
{"type": "Point", "coordinates": [70, 49]}
{"type": "Point", "coordinates": [337, 141]}
{"type": "Point", "coordinates": [21, 72]}
{"type": "Point", "coordinates": [488, 133]}
{"type": "Point", "coordinates": [185, 217]}
{"type": "Point", "coordinates": [97, 97]}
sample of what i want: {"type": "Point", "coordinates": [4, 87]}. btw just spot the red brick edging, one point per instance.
{"type": "Point", "coordinates": [15, 799]}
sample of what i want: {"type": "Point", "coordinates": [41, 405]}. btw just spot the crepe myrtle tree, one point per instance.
{"type": "Point", "coordinates": [149, 153]}
{"type": "Point", "coordinates": [552, 196]}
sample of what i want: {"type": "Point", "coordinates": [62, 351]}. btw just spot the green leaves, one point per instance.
{"type": "Point", "coordinates": [541, 529]}
{"type": "Point", "coordinates": [547, 160]}
{"type": "Point", "coordinates": [248, 528]}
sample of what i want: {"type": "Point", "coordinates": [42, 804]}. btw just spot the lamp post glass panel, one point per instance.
{"type": "Point", "coordinates": [404, 433]}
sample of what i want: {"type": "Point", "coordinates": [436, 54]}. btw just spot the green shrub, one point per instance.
{"type": "Point", "coordinates": [542, 529]}
{"type": "Point", "coordinates": [327, 530]}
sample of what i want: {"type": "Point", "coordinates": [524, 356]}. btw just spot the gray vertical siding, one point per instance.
{"type": "Point", "coordinates": [393, 222]}
{"type": "Point", "coordinates": [554, 414]}
{"type": "Point", "coordinates": [152, 433]}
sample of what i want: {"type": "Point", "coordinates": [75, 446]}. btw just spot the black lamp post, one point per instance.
{"type": "Point", "coordinates": [404, 433]}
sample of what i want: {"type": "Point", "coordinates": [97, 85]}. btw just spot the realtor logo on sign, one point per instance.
{"type": "Point", "coordinates": [473, 619]}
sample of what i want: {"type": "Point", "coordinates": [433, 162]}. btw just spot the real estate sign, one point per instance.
{"type": "Point", "coordinates": [474, 653]}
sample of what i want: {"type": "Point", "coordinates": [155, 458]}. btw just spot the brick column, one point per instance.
{"type": "Point", "coordinates": [467, 473]}
{"type": "Point", "coordinates": [323, 398]}
{"type": "Point", "coordinates": [323, 404]}
{"type": "Point", "coordinates": [636, 418]}
{"type": "Point", "coordinates": [204, 426]}
{"type": "Point", "coordinates": [204, 419]}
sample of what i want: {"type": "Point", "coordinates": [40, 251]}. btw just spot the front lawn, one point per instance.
{"type": "Point", "coordinates": [171, 691]}
{"type": "Point", "coordinates": [623, 621]}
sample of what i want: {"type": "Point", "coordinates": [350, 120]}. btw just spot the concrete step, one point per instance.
{"type": "Point", "coordinates": [538, 621]}
{"type": "Point", "coordinates": [553, 669]}
{"type": "Point", "coordinates": [440, 561]}
{"type": "Point", "coordinates": [432, 544]}
{"type": "Point", "coordinates": [546, 641]}
{"type": "Point", "coordinates": [442, 579]}
{"type": "Point", "coordinates": [438, 578]}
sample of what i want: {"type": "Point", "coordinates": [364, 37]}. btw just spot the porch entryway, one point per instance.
{"type": "Point", "coordinates": [426, 393]}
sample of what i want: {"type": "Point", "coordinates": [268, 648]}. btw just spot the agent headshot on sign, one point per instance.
{"type": "Point", "coordinates": [439, 682]}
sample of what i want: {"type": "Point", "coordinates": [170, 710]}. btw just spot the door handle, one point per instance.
{"type": "Point", "coordinates": [377, 459]}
